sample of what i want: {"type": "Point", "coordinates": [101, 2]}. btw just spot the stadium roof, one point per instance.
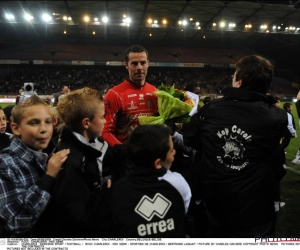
{"type": "Point", "coordinates": [283, 14]}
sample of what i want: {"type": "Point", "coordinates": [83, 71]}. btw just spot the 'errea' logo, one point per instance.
{"type": "Point", "coordinates": [148, 207]}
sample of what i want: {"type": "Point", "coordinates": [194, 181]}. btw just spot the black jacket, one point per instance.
{"type": "Point", "coordinates": [237, 137]}
{"type": "Point", "coordinates": [79, 206]}
{"type": "Point", "coordinates": [138, 193]}
{"type": "Point", "coordinates": [4, 141]}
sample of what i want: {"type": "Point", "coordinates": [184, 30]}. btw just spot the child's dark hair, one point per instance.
{"type": "Point", "coordinates": [148, 143]}
{"type": "Point", "coordinates": [286, 106]}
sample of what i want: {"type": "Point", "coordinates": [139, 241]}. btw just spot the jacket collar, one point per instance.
{"type": "Point", "coordinates": [242, 94]}
{"type": "Point", "coordinates": [89, 151]}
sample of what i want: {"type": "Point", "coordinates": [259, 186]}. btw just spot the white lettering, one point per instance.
{"type": "Point", "coordinates": [156, 227]}
{"type": "Point", "coordinates": [171, 225]}
{"type": "Point", "coordinates": [162, 226]}
{"type": "Point", "coordinates": [142, 230]}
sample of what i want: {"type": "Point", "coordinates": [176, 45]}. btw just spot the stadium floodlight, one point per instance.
{"type": "Point", "coordinates": [28, 17]}
{"type": "Point", "coordinates": [86, 19]}
{"type": "Point", "coordinates": [105, 19]}
{"type": "Point", "coordinates": [127, 20]}
{"type": "Point", "coordinates": [231, 25]}
{"type": "Point", "coordinates": [264, 27]}
{"type": "Point", "coordinates": [222, 24]}
{"type": "Point", "coordinates": [10, 17]}
{"type": "Point", "coordinates": [46, 17]}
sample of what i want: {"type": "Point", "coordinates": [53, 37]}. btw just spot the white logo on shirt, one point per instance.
{"type": "Point", "coordinates": [141, 96]}
{"type": "Point", "coordinates": [234, 148]}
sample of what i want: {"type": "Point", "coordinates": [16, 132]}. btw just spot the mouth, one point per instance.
{"type": "Point", "coordinates": [43, 140]}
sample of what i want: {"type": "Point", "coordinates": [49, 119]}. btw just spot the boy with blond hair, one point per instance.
{"type": "Point", "coordinates": [79, 207]}
{"type": "Point", "coordinates": [26, 178]}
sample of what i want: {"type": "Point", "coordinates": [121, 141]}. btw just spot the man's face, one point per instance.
{"type": "Point", "coordinates": [66, 89]}
{"type": "Point", "coordinates": [137, 67]}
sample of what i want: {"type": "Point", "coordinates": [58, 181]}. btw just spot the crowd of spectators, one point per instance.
{"type": "Point", "coordinates": [49, 79]}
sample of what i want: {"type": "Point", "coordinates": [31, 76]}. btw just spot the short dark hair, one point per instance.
{"type": "Point", "coordinates": [148, 143]}
{"type": "Point", "coordinates": [207, 99]}
{"type": "Point", "coordinates": [135, 49]}
{"type": "Point", "coordinates": [256, 73]}
{"type": "Point", "coordinates": [286, 105]}
{"type": "Point", "coordinates": [191, 87]}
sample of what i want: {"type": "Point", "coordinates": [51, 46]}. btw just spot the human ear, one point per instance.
{"type": "Point", "coordinates": [157, 164]}
{"type": "Point", "coordinates": [85, 123]}
{"type": "Point", "coordinates": [15, 129]}
{"type": "Point", "coordinates": [239, 83]}
{"type": "Point", "coordinates": [55, 121]}
{"type": "Point", "coordinates": [126, 65]}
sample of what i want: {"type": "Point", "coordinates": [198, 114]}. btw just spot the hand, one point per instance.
{"type": "Point", "coordinates": [56, 161]}
{"type": "Point", "coordinates": [108, 183]}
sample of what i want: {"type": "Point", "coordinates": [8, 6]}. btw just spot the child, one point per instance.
{"type": "Point", "coordinates": [80, 195]}
{"type": "Point", "coordinates": [4, 138]}
{"type": "Point", "coordinates": [151, 201]}
{"type": "Point", "coordinates": [57, 125]}
{"type": "Point", "coordinates": [26, 180]}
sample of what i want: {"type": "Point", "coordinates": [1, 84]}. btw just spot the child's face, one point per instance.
{"type": "Point", "coordinates": [96, 125]}
{"type": "Point", "coordinates": [3, 122]}
{"type": "Point", "coordinates": [36, 127]}
{"type": "Point", "coordinates": [170, 156]}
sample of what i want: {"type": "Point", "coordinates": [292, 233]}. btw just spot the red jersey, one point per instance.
{"type": "Point", "coordinates": [124, 103]}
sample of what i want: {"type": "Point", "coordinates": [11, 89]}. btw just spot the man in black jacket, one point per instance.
{"type": "Point", "coordinates": [237, 137]}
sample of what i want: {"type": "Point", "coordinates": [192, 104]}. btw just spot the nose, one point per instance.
{"type": "Point", "coordinates": [43, 128]}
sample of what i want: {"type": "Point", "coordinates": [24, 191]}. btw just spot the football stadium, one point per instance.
{"type": "Point", "coordinates": [47, 46]}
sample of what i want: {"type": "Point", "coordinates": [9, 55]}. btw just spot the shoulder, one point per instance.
{"type": "Point", "coordinates": [149, 86]}
{"type": "Point", "coordinates": [176, 180]}
{"type": "Point", "coordinates": [8, 164]}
